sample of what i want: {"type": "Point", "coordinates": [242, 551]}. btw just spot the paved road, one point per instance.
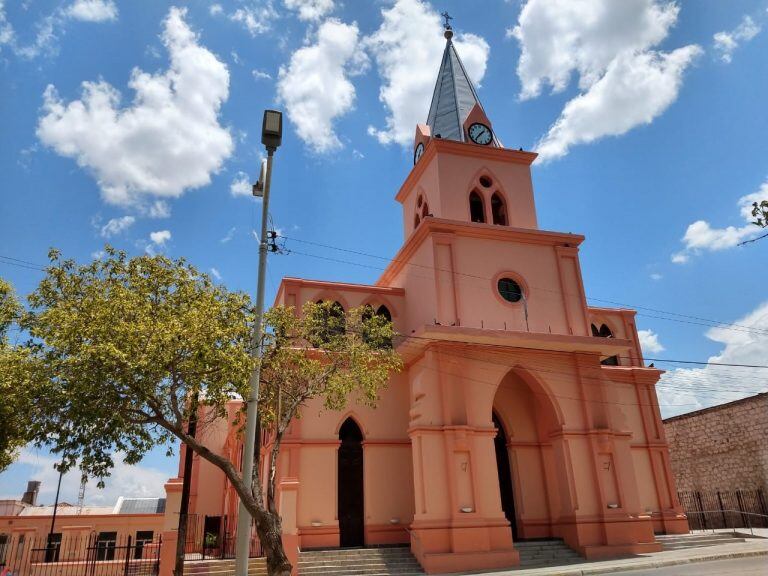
{"type": "Point", "coordinates": [757, 566]}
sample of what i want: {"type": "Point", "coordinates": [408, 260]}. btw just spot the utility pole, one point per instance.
{"type": "Point", "coordinates": [271, 137]}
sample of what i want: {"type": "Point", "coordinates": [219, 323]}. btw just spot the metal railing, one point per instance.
{"type": "Point", "coordinates": [714, 520]}
{"type": "Point", "coordinates": [725, 509]}
{"type": "Point", "coordinates": [214, 537]}
{"type": "Point", "coordinates": [104, 554]}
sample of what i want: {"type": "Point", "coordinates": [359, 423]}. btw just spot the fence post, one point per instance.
{"type": "Point", "coordinates": [763, 507]}
{"type": "Point", "coordinates": [128, 557]}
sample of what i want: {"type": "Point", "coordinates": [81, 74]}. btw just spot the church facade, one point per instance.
{"type": "Point", "coordinates": [521, 413]}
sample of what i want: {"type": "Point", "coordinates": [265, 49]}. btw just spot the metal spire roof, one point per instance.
{"type": "Point", "coordinates": [454, 95]}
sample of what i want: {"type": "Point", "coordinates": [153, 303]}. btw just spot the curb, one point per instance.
{"type": "Point", "coordinates": [641, 565]}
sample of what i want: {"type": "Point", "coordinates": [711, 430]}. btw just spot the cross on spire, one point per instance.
{"type": "Point", "coordinates": [447, 20]}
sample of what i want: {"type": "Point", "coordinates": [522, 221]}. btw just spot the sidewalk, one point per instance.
{"type": "Point", "coordinates": [752, 547]}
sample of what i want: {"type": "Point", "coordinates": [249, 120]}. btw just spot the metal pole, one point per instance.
{"type": "Point", "coordinates": [55, 506]}
{"type": "Point", "coordinates": [243, 516]}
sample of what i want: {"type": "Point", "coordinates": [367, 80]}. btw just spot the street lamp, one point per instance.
{"type": "Point", "coordinates": [271, 137]}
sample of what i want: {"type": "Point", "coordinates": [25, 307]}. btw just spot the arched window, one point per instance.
{"type": "Point", "coordinates": [605, 332]}
{"type": "Point", "coordinates": [384, 311]}
{"type": "Point", "coordinates": [476, 207]}
{"type": "Point", "coordinates": [498, 210]}
{"type": "Point", "coordinates": [370, 335]}
{"type": "Point", "coordinates": [425, 210]}
{"type": "Point", "coordinates": [416, 221]}
{"type": "Point", "coordinates": [332, 323]}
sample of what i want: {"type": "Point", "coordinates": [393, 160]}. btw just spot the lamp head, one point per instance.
{"type": "Point", "coordinates": [272, 129]}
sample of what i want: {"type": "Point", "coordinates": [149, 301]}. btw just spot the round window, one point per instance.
{"type": "Point", "coordinates": [510, 290]}
{"type": "Point", "coordinates": [486, 182]}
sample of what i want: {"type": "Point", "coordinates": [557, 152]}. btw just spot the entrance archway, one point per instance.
{"type": "Point", "coordinates": [506, 490]}
{"type": "Point", "coordinates": [350, 486]}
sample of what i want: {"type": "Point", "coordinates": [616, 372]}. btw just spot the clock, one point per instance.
{"type": "Point", "coordinates": [418, 152]}
{"type": "Point", "coordinates": [480, 134]}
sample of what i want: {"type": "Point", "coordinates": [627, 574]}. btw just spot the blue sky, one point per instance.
{"type": "Point", "coordinates": [650, 117]}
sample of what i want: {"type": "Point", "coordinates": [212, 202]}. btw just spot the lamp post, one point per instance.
{"type": "Point", "coordinates": [271, 137]}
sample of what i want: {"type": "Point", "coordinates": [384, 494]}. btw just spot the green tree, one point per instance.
{"type": "Point", "coordinates": [120, 347]}
{"type": "Point", "coordinates": [13, 390]}
{"type": "Point", "coordinates": [760, 212]}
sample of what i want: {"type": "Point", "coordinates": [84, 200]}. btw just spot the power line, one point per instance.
{"type": "Point", "coordinates": [20, 263]}
{"type": "Point", "coordinates": [507, 348]}
{"type": "Point", "coordinates": [702, 320]}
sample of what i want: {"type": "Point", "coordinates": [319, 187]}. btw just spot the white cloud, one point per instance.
{"type": "Point", "coordinates": [649, 342]}
{"type": "Point", "coordinates": [745, 342]}
{"type": "Point", "coordinates": [167, 141]}
{"type": "Point", "coordinates": [50, 27]}
{"type": "Point", "coordinates": [635, 89]}
{"type": "Point", "coordinates": [701, 236]}
{"type": "Point", "coordinates": [129, 481]}
{"type": "Point", "coordinates": [159, 209]}
{"type": "Point", "coordinates": [216, 274]}
{"type": "Point", "coordinates": [407, 47]}
{"type": "Point", "coordinates": [229, 235]}
{"type": "Point", "coordinates": [315, 88]}
{"type": "Point", "coordinates": [559, 37]}
{"type": "Point", "coordinates": [256, 17]}
{"type": "Point", "coordinates": [727, 42]}
{"type": "Point", "coordinates": [116, 226]}
{"type": "Point", "coordinates": [215, 9]}
{"type": "Point", "coordinates": [160, 237]}
{"type": "Point", "coordinates": [92, 10]}
{"type": "Point", "coordinates": [656, 276]}
{"type": "Point", "coordinates": [311, 10]}
{"type": "Point", "coordinates": [261, 75]}
{"type": "Point", "coordinates": [623, 82]}
{"type": "Point", "coordinates": [241, 185]}
{"type": "Point", "coordinates": [45, 43]}
{"type": "Point", "coordinates": [7, 34]}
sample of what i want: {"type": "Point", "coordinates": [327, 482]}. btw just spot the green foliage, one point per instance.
{"type": "Point", "coordinates": [760, 212]}
{"type": "Point", "coordinates": [323, 353]}
{"type": "Point", "coordinates": [121, 344]}
{"type": "Point", "coordinates": [14, 390]}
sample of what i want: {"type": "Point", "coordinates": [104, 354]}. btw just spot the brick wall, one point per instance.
{"type": "Point", "coordinates": [721, 448]}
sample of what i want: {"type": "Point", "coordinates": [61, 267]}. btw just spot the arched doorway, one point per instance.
{"type": "Point", "coordinates": [350, 486]}
{"type": "Point", "coordinates": [505, 475]}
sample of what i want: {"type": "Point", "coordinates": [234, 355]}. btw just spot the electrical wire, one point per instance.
{"type": "Point", "coordinates": [700, 320]}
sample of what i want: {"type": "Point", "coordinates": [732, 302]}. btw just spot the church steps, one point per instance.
{"type": "Point", "coordinates": [368, 561]}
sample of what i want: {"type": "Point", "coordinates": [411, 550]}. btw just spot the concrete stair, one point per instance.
{"type": "Point", "coordinates": [542, 553]}
{"type": "Point", "coordinates": [256, 567]}
{"type": "Point", "coordinates": [383, 561]}
{"type": "Point", "coordinates": [683, 541]}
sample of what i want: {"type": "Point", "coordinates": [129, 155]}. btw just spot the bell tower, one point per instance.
{"type": "Point", "coordinates": [461, 169]}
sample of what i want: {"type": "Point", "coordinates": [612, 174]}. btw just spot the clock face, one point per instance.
{"type": "Point", "coordinates": [418, 152]}
{"type": "Point", "coordinates": [480, 134]}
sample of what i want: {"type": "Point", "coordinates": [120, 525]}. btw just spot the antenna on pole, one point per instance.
{"type": "Point", "coordinates": [81, 493]}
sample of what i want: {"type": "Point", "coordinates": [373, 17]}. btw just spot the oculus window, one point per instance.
{"type": "Point", "coordinates": [510, 290]}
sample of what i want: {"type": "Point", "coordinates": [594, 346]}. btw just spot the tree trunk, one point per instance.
{"type": "Point", "coordinates": [270, 535]}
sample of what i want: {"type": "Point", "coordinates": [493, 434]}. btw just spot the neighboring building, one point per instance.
{"type": "Point", "coordinates": [26, 529]}
{"type": "Point", "coordinates": [522, 412]}
{"type": "Point", "coordinates": [719, 458]}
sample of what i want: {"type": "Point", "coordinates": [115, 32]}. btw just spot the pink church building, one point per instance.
{"type": "Point", "coordinates": [521, 413]}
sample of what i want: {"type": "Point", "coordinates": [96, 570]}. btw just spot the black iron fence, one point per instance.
{"type": "Point", "coordinates": [715, 510]}
{"type": "Point", "coordinates": [96, 554]}
{"type": "Point", "coordinates": [213, 537]}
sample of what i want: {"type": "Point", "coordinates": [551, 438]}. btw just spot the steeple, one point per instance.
{"type": "Point", "coordinates": [454, 97]}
